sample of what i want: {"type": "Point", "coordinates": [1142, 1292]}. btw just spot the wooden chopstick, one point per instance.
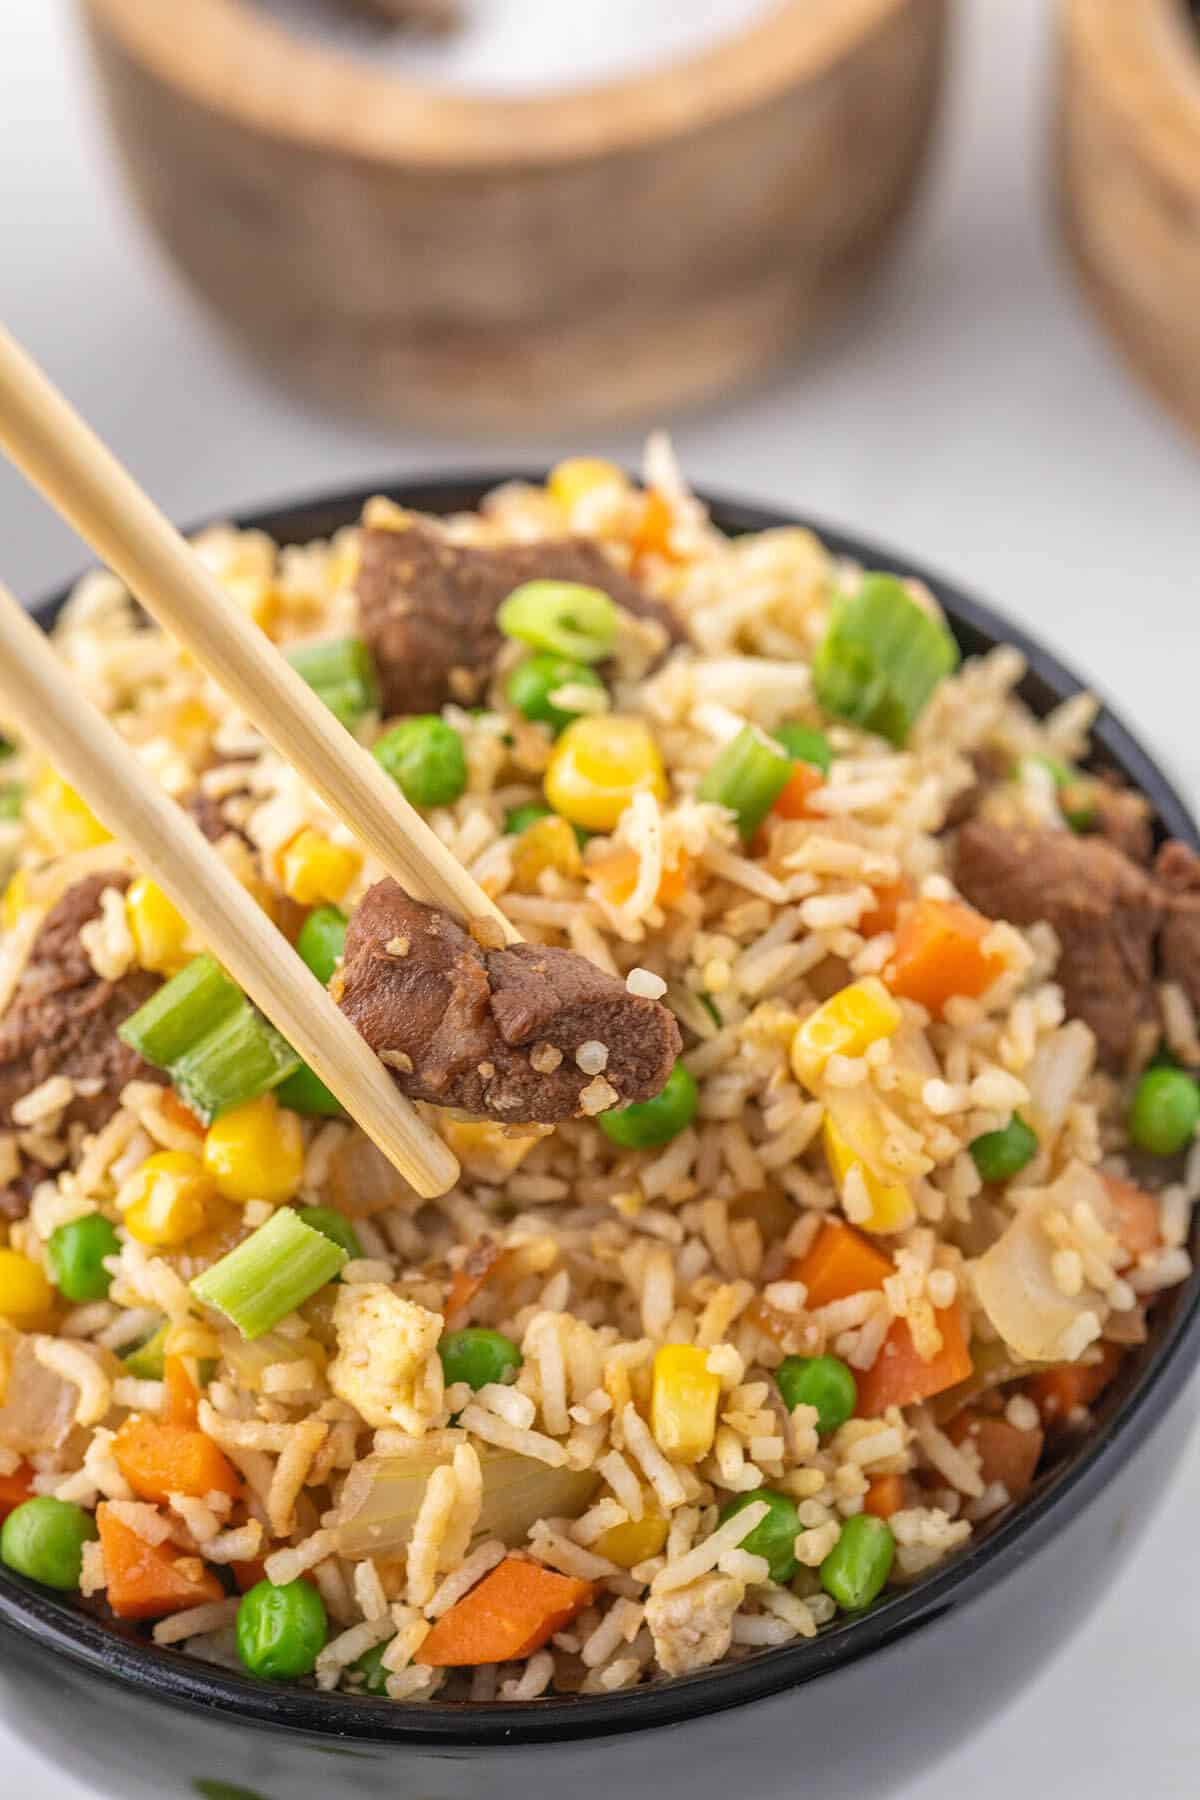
{"type": "Point", "coordinates": [37, 696]}
{"type": "Point", "coordinates": [46, 438]}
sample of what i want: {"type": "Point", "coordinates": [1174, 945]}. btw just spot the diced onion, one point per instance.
{"type": "Point", "coordinates": [1014, 1280]}
{"type": "Point", "coordinates": [381, 1496]}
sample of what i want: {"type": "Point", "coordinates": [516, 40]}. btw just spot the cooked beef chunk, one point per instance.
{"type": "Point", "coordinates": [428, 606]}
{"type": "Point", "coordinates": [1105, 910]}
{"type": "Point", "coordinates": [1178, 872]}
{"type": "Point", "coordinates": [16, 1195]}
{"type": "Point", "coordinates": [63, 1018]}
{"type": "Point", "coordinates": [1124, 818]}
{"type": "Point", "coordinates": [492, 1031]}
{"type": "Point", "coordinates": [208, 810]}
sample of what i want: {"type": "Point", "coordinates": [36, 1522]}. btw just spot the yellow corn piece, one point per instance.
{"type": "Point", "coordinates": [579, 475]}
{"type": "Point", "coordinates": [16, 899]}
{"type": "Point", "coordinates": [599, 763]}
{"type": "Point", "coordinates": [314, 870]}
{"type": "Point", "coordinates": [846, 1025]}
{"type": "Point", "coordinates": [256, 1152]}
{"type": "Point", "coordinates": [25, 1291]}
{"type": "Point", "coordinates": [168, 1200]}
{"type": "Point", "coordinates": [891, 1203]}
{"type": "Point", "coordinates": [158, 930]}
{"type": "Point", "coordinates": [482, 1147]}
{"type": "Point", "coordinates": [256, 597]}
{"type": "Point", "coordinates": [59, 819]}
{"type": "Point", "coordinates": [683, 1402]}
{"type": "Point", "coordinates": [546, 844]}
{"type": "Point", "coordinates": [634, 1541]}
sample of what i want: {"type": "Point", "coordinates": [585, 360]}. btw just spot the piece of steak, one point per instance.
{"type": "Point", "coordinates": [493, 1031]}
{"type": "Point", "coordinates": [1178, 872]}
{"type": "Point", "coordinates": [428, 606]}
{"type": "Point", "coordinates": [1104, 908]}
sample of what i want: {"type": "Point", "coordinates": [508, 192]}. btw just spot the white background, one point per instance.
{"type": "Point", "coordinates": [973, 416]}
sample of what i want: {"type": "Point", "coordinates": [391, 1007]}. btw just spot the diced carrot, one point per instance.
{"type": "Point", "coordinates": [182, 1396]}
{"type": "Point", "coordinates": [147, 1581]}
{"type": "Point", "coordinates": [511, 1613]}
{"type": "Point", "coordinates": [884, 1496]}
{"type": "Point", "coordinates": [158, 1459]}
{"type": "Point", "coordinates": [616, 876]}
{"type": "Point", "coordinates": [1068, 1387]}
{"type": "Point", "coordinates": [1136, 1216]}
{"type": "Point", "coordinates": [899, 1377]}
{"type": "Point", "coordinates": [481, 1262]}
{"type": "Point", "coordinates": [839, 1262]}
{"type": "Point", "coordinates": [249, 1574]}
{"type": "Point", "coordinates": [939, 954]}
{"type": "Point", "coordinates": [792, 800]}
{"type": "Point", "coordinates": [653, 534]}
{"type": "Point", "coordinates": [15, 1489]}
{"type": "Point", "coordinates": [1008, 1453]}
{"type": "Point", "coordinates": [180, 1113]}
{"type": "Point", "coordinates": [885, 913]}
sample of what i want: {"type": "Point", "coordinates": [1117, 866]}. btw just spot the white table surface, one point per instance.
{"type": "Point", "coordinates": [973, 416]}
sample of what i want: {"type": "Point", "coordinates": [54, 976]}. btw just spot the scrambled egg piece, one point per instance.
{"type": "Point", "coordinates": [693, 1626]}
{"type": "Point", "coordinates": [384, 1344]}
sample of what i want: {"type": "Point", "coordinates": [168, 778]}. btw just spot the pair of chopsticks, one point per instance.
{"type": "Point", "coordinates": [48, 441]}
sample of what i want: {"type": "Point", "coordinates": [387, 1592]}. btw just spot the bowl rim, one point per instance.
{"type": "Point", "coordinates": [244, 66]}
{"type": "Point", "coordinates": [1135, 1410]}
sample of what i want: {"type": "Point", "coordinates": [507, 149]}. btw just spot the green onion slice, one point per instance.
{"type": "Point", "coordinates": [243, 1057]}
{"type": "Point", "coordinates": [274, 1271]}
{"type": "Point", "coordinates": [804, 743]}
{"type": "Point", "coordinates": [563, 616]}
{"type": "Point", "coordinates": [183, 1011]}
{"type": "Point", "coordinates": [747, 776]}
{"type": "Point", "coordinates": [340, 672]}
{"type": "Point", "coordinates": [881, 658]}
{"type": "Point", "coordinates": [147, 1361]}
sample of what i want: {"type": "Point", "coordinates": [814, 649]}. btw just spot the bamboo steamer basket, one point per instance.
{"type": "Point", "coordinates": [1127, 170]}
{"type": "Point", "coordinates": [410, 253]}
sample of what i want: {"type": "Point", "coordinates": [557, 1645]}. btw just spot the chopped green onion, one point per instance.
{"type": "Point", "coordinates": [747, 776]}
{"type": "Point", "coordinates": [243, 1057]}
{"type": "Point", "coordinates": [334, 1225]}
{"type": "Point", "coordinates": [12, 799]}
{"type": "Point", "coordinates": [274, 1271]}
{"type": "Point", "coordinates": [562, 616]}
{"type": "Point", "coordinates": [804, 743]}
{"type": "Point", "coordinates": [306, 1093]}
{"type": "Point", "coordinates": [184, 1010]}
{"type": "Point", "coordinates": [1076, 792]}
{"type": "Point", "coordinates": [322, 941]}
{"type": "Point", "coordinates": [342, 674]}
{"type": "Point", "coordinates": [147, 1361]}
{"type": "Point", "coordinates": [881, 658]}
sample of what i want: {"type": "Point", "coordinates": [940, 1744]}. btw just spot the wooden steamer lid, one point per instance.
{"type": "Point", "coordinates": [411, 253]}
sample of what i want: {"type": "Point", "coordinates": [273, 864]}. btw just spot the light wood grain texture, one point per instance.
{"type": "Point", "coordinates": [1127, 173]}
{"type": "Point", "coordinates": [88, 751]}
{"type": "Point", "coordinates": [46, 438]}
{"type": "Point", "coordinates": [406, 252]}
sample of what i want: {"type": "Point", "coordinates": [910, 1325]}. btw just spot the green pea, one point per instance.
{"type": "Point", "coordinates": [12, 799]}
{"type": "Point", "coordinates": [281, 1630]}
{"type": "Point", "coordinates": [519, 818]}
{"type": "Point", "coordinates": [825, 1382]}
{"type": "Point", "coordinates": [775, 1537]}
{"type": "Point", "coordinates": [999, 1155]}
{"type": "Point", "coordinates": [532, 683]}
{"type": "Point", "coordinates": [370, 1667]}
{"type": "Point", "coordinates": [650, 1122]}
{"type": "Point", "coordinates": [563, 617]}
{"type": "Point", "coordinates": [44, 1539]}
{"type": "Point", "coordinates": [860, 1562]}
{"type": "Point", "coordinates": [76, 1253]}
{"type": "Point", "coordinates": [804, 743]}
{"type": "Point", "coordinates": [322, 941]}
{"type": "Point", "coordinates": [333, 1225]}
{"type": "Point", "coordinates": [305, 1093]}
{"type": "Point", "coordinates": [426, 759]}
{"type": "Point", "coordinates": [478, 1356]}
{"type": "Point", "coordinates": [1164, 1111]}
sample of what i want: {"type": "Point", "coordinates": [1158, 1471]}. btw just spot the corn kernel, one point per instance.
{"type": "Point", "coordinates": [634, 1541]}
{"type": "Point", "coordinates": [482, 1147]}
{"type": "Point", "coordinates": [168, 1200]}
{"type": "Point", "coordinates": [579, 475]}
{"type": "Point", "coordinates": [314, 870]}
{"type": "Point", "coordinates": [16, 899]}
{"type": "Point", "coordinates": [256, 1152]}
{"type": "Point", "coordinates": [59, 819]}
{"type": "Point", "coordinates": [25, 1292]}
{"type": "Point", "coordinates": [846, 1025]}
{"type": "Point", "coordinates": [599, 763]}
{"type": "Point", "coordinates": [683, 1402]}
{"type": "Point", "coordinates": [891, 1203]}
{"type": "Point", "coordinates": [546, 844]}
{"type": "Point", "coordinates": [158, 930]}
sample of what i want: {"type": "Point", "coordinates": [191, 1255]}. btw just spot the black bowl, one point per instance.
{"type": "Point", "coordinates": [849, 1714]}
